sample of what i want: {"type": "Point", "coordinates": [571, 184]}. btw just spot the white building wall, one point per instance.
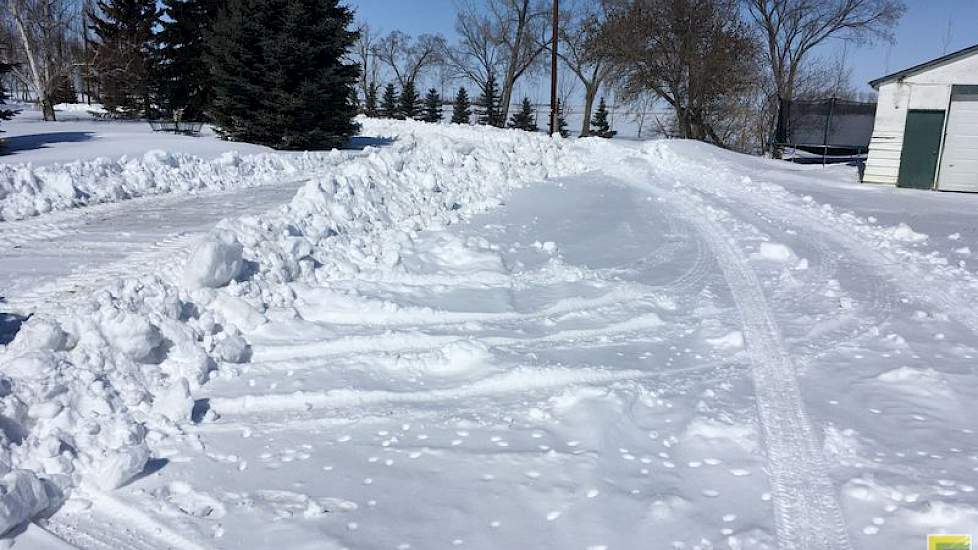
{"type": "Point", "coordinates": [930, 89]}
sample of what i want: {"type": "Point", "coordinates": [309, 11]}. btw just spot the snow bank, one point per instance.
{"type": "Point", "coordinates": [85, 395]}
{"type": "Point", "coordinates": [26, 190]}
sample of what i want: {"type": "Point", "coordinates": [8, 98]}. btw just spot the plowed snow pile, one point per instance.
{"type": "Point", "coordinates": [86, 393]}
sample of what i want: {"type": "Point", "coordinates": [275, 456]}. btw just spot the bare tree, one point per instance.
{"type": "Point", "coordinates": [499, 33]}
{"type": "Point", "coordinates": [476, 55]}
{"type": "Point", "coordinates": [408, 57]}
{"type": "Point", "coordinates": [696, 55]}
{"type": "Point", "coordinates": [579, 26]}
{"type": "Point", "coordinates": [364, 55]}
{"type": "Point", "coordinates": [791, 29]}
{"type": "Point", "coordinates": [42, 27]}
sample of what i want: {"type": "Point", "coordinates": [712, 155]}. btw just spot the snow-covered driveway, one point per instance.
{"type": "Point", "coordinates": [676, 350]}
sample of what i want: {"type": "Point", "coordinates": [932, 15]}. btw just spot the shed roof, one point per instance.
{"type": "Point", "coordinates": [971, 50]}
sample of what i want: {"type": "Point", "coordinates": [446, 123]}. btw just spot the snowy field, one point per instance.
{"type": "Point", "coordinates": [476, 338]}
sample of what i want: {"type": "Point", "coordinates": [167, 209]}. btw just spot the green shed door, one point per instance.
{"type": "Point", "coordinates": [921, 149]}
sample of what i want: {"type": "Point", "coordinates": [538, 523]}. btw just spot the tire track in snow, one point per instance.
{"type": "Point", "coordinates": [807, 512]}
{"type": "Point", "coordinates": [112, 524]}
{"type": "Point", "coordinates": [953, 293]}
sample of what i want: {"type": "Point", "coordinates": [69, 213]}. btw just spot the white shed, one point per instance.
{"type": "Point", "coordinates": [926, 129]}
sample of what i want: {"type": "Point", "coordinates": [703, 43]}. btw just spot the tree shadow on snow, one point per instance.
{"type": "Point", "coordinates": [14, 144]}
{"type": "Point", "coordinates": [10, 324]}
{"type": "Point", "coordinates": [359, 143]}
{"type": "Point", "coordinates": [153, 465]}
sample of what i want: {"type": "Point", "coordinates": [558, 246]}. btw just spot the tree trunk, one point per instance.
{"type": "Point", "coordinates": [48, 109]}
{"type": "Point", "coordinates": [590, 92]}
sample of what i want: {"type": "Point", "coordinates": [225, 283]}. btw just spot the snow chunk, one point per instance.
{"type": "Point", "coordinates": [132, 334]}
{"type": "Point", "coordinates": [775, 252]}
{"type": "Point", "coordinates": [39, 334]}
{"type": "Point", "coordinates": [922, 382]}
{"type": "Point", "coordinates": [115, 467]}
{"type": "Point", "coordinates": [713, 431]}
{"type": "Point", "coordinates": [731, 340]}
{"type": "Point", "coordinates": [236, 311]}
{"type": "Point", "coordinates": [903, 233]}
{"type": "Point", "coordinates": [175, 402]}
{"type": "Point", "coordinates": [215, 262]}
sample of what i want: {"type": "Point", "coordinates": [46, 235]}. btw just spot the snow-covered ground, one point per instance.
{"type": "Point", "coordinates": [477, 338]}
{"type": "Point", "coordinates": [78, 136]}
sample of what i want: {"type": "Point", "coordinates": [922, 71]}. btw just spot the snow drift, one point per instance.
{"type": "Point", "coordinates": [87, 393]}
{"type": "Point", "coordinates": [26, 190]}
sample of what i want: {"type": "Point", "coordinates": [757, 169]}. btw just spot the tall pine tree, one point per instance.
{"type": "Point", "coordinates": [524, 119]}
{"type": "Point", "coordinates": [123, 55]}
{"type": "Point", "coordinates": [280, 78]}
{"type": "Point", "coordinates": [432, 107]}
{"type": "Point", "coordinates": [409, 105]}
{"type": "Point", "coordinates": [462, 109]}
{"type": "Point", "coordinates": [388, 105]}
{"type": "Point", "coordinates": [370, 102]}
{"type": "Point", "coordinates": [599, 123]}
{"type": "Point", "coordinates": [561, 120]}
{"type": "Point", "coordinates": [185, 77]}
{"type": "Point", "coordinates": [490, 112]}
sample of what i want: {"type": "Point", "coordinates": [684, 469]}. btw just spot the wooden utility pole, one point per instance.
{"type": "Point", "coordinates": [553, 69]}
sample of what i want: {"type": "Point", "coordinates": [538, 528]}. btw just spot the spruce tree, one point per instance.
{"type": "Point", "coordinates": [462, 109]}
{"type": "Point", "coordinates": [185, 77]}
{"type": "Point", "coordinates": [524, 119]}
{"type": "Point", "coordinates": [409, 105]}
{"type": "Point", "coordinates": [370, 102]}
{"type": "Point", "coordinates": [561, 121]}
{"type": "Point", "coordinates": [489, 102]}
{"type": "Point", "coordinates": [279, 73]}
{"type": "Point", "coordinates": [388, 105]}
{"type": "Point", "coordinates": [599, 123]}
{"type": "Point", "coordinates": [65, 92]}
{"type": "Point", "coordinates": [5, 114]}
{"type": "Point", "coordinates": [432, 107]}
{"type": "Point", "coordinates": [123, 54]}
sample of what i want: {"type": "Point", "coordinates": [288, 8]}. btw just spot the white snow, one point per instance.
{"type": "Point", "coordinates": [510, 339]}
{"type": "Point", "coordinates": [776, 252]}
{"type": "Point", "coordinates": [216, 260]}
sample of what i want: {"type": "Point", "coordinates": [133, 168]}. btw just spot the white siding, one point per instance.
{"type": "Point", "coordinates": [930, 89]}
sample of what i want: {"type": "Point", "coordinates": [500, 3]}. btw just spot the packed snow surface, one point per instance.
{"type": "Point", "coordinates": [479, 338]}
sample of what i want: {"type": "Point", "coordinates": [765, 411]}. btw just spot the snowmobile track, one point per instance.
{"type": "Point", "coordinates": [807, 512]}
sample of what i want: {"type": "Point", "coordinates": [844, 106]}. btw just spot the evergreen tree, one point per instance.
{"type": "Point", "coordinates": [5, 114]}
{"type": "Point", "coordinates": [279, 74]}
{"type": "Point", "coordinates": [461, 110]}
{"type": "Point", "coordinates": [123, 54]}
{"type": "Point", "coordinates": [524, 119]}
{"type": "Point", "coordinates": [432, 107]}
{"type": "Point", "coordinates": [561, 121]}
{"type": "Point", "coordinates": [370, 102]}
{"type": "Point", "coordinates": [185, 77]}
{"type": "Point", "coordinates": [490, 112]}
{"type": "Point", "coordinates": [409, 105]}
{"type": "Point", "coordinates": [65, 92]}
{"type": "Point", "coordinates": [388, 105]}
{"type": "Point", "coordinates": [599, 123]}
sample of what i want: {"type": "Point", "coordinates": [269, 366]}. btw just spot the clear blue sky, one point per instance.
{"type": "Point", "coordinates": [920, 36]}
